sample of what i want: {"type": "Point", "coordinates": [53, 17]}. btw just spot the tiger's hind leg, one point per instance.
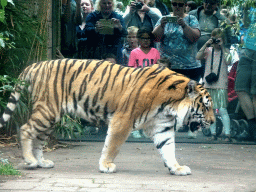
{"type": "Point", "coordinates": [32, 136]}
{"type": "Point", "coordinates": [26, 139]}
{"type": "Point", "coordinates": [117, 134]}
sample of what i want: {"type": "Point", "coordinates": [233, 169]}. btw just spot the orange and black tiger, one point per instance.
{"type": "Point", "coordinates": [154, 99]}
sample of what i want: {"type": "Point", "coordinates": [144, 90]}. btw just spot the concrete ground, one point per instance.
{"type": "Point", "coordinates": [215, 167]}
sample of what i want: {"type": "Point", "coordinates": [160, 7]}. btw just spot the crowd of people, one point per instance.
{"type": "Point", "coordinates": [194, 40]}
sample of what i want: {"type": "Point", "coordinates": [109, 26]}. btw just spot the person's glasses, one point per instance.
{"type": "Point", "coordinates": [178, 4]}
{"type": "Point", "coordinates": [187, 5]}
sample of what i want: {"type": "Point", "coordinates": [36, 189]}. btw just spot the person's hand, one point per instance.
{"type": "Point", "coordinates": [181, 22]}
{"type": "Point", "coordinates": [163, 21]}
{"type": "Point", "coordinates": [209, 42]}
{"type": "Point", "coordinates": [117, 23]}
{"type": "Point", "coordinates": [98, 26]}
{"type": "Point", "coordinates": [132, 6]}
{"type": "Point", "coordinates": [145, 8]}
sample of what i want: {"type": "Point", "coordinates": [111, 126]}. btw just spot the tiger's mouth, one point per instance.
{"type": "Point", "coordinates": [198, 122]}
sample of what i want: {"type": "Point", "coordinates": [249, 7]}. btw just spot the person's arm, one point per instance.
{"type": "Point", "coordinates": [90, 27]}
{"type": "Point", "coordinates": [226, 54]}
{"type": "Point", "coordinates": [159, 29]}
{"type": "Point", "coordinates": [201, 53]}
{"type": "Point", "coordinates": [132, 60]}
{"type": "Point", "coordinates": [153, 13]}
{"type": "Point", "coordinates": [129, 13]}
{"type": "Point", "coordinates": [190, 33]}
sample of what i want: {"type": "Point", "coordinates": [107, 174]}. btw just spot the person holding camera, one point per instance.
{"type": "Point", "coordinates": [178, 34]}
{"type": "Point", "coordinates": [105, 30]}
{"type": "Point", "coordinates": [139, 14]}
{"type": "Point", "coordinates": [216, 77]}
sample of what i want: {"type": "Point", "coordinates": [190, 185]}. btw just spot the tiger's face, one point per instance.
{"type": "Point", "coordinates": [196, 108]}
{"type": "Point", "coordinates": [201, 113]}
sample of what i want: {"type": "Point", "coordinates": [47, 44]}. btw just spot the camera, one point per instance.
{"type": "Point", "coordinates": [215, 41]}
{"type": "Point", "coordinates": [171, 19]}
{"type": "Point", "coordinates": [211, 78]}
{"type": "Point", "coordinates": [138, 5]}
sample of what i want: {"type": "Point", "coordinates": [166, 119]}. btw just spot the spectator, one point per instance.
{"type": "Point", "coordinates": [132, 43]}
{"type": "Point", "coordinates": [245, 85]}
{"type": "Point", "coordinates": [110, 57]}
{"type": "Point", "coordinates": [139, 14]}
{"type": "Point", "coordinates": [84, 50]}
{"type": "Point", "coordinates": [191, 5]}
{"type": "Point", "coordinates": [178, 40]}
{"type": "Point", "coordinates": [105, 29]}
{"type": "Point", "coordinates": [159, 5]}
{"type": "Point", "coordinates": [216, 77]}
{"type": "Point", "coordinates": [209, 18]}
{"type": "Point", "coordinates": [145, 55]}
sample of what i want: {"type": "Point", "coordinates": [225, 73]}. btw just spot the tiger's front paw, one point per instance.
{"type": "Point", "coordinates": [107, 167]}
{"type": "Point", "coordinates": [181, 171]}
{"type": "Point", "coordinates": [46, 164]}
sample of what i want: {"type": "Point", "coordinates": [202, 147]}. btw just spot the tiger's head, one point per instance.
{"type": "Point", "coordinates": [195, 110]}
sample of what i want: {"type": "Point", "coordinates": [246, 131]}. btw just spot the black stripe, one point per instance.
{"type": "Point", "coordinates": [72, 64]}
{"type": "Point", "coordinates": [160, 145]}
{"type": "Point", "coordinates": [95, 98]}
{"type": "Point", "coordinates": [93, 71]}
{"type": "Point", "coordinates": [124, 77]}
{"type": "Point", "coordinates": [12, 99]}
{"type": "Point", "coordinates": [166, 129]}
{"type": "Point", "coordinates": [8, 111]}
{"type": "Point", "coordinates": [97, 109]}
{"type": "Point", "coordinates": [74, 101]}
{"type": "Point", "coordinates": [86, 105]}
{"type": "Point", "coordinates": [56, 97]}
{"type": "Point", "coordinates": [117, 73]}
{"type": "Point", "coordinates": [164, 80]}
{"type": "Point", "coordinates": [2, 122]}
{"type": "Point", "coordinates": [79, 69]}
{"type": "Point", "coordinates": [82, 88]}
{"type": "Point", "coordinates": [175, 83]}
{"type": "Point", "coordinates": [105, 113]}
{"type": "Point", "coordinates": [70, 83]}
{"type": "Point", "coordinates": [103, 73]}
{"type": "Point", "coordinates": [40, 138]}
{"type": "Point", "coordinates": [40, 123]}
{"type": "Point", "coordinates": [105, 86]}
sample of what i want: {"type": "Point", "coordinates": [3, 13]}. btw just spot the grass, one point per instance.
{"type": "Point", "coordinates": [8, 169]}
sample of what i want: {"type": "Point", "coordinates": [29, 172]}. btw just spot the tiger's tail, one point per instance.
{"type": "Point", "coordinates": [11, 106]}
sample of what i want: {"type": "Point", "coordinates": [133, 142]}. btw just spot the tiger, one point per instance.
{"type": "Point", "coordinates": [154, 99]}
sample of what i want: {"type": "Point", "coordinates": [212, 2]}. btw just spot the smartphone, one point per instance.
{"type": "Point", "coordinates": [171, 19]}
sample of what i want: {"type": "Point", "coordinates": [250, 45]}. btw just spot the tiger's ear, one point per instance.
{"type": "Point", "coordinates": [191, 89]}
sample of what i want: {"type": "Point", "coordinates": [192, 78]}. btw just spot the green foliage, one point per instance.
{"type": "Point", "coordinates": [6, 168]}
{"type": "Point", "coordinates": [23, 38]}
{"type": "Point", "coordinates": [68, 126]}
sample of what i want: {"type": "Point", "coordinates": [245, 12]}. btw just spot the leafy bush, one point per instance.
{"type": "Point", "coordinates": [6, 168]}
